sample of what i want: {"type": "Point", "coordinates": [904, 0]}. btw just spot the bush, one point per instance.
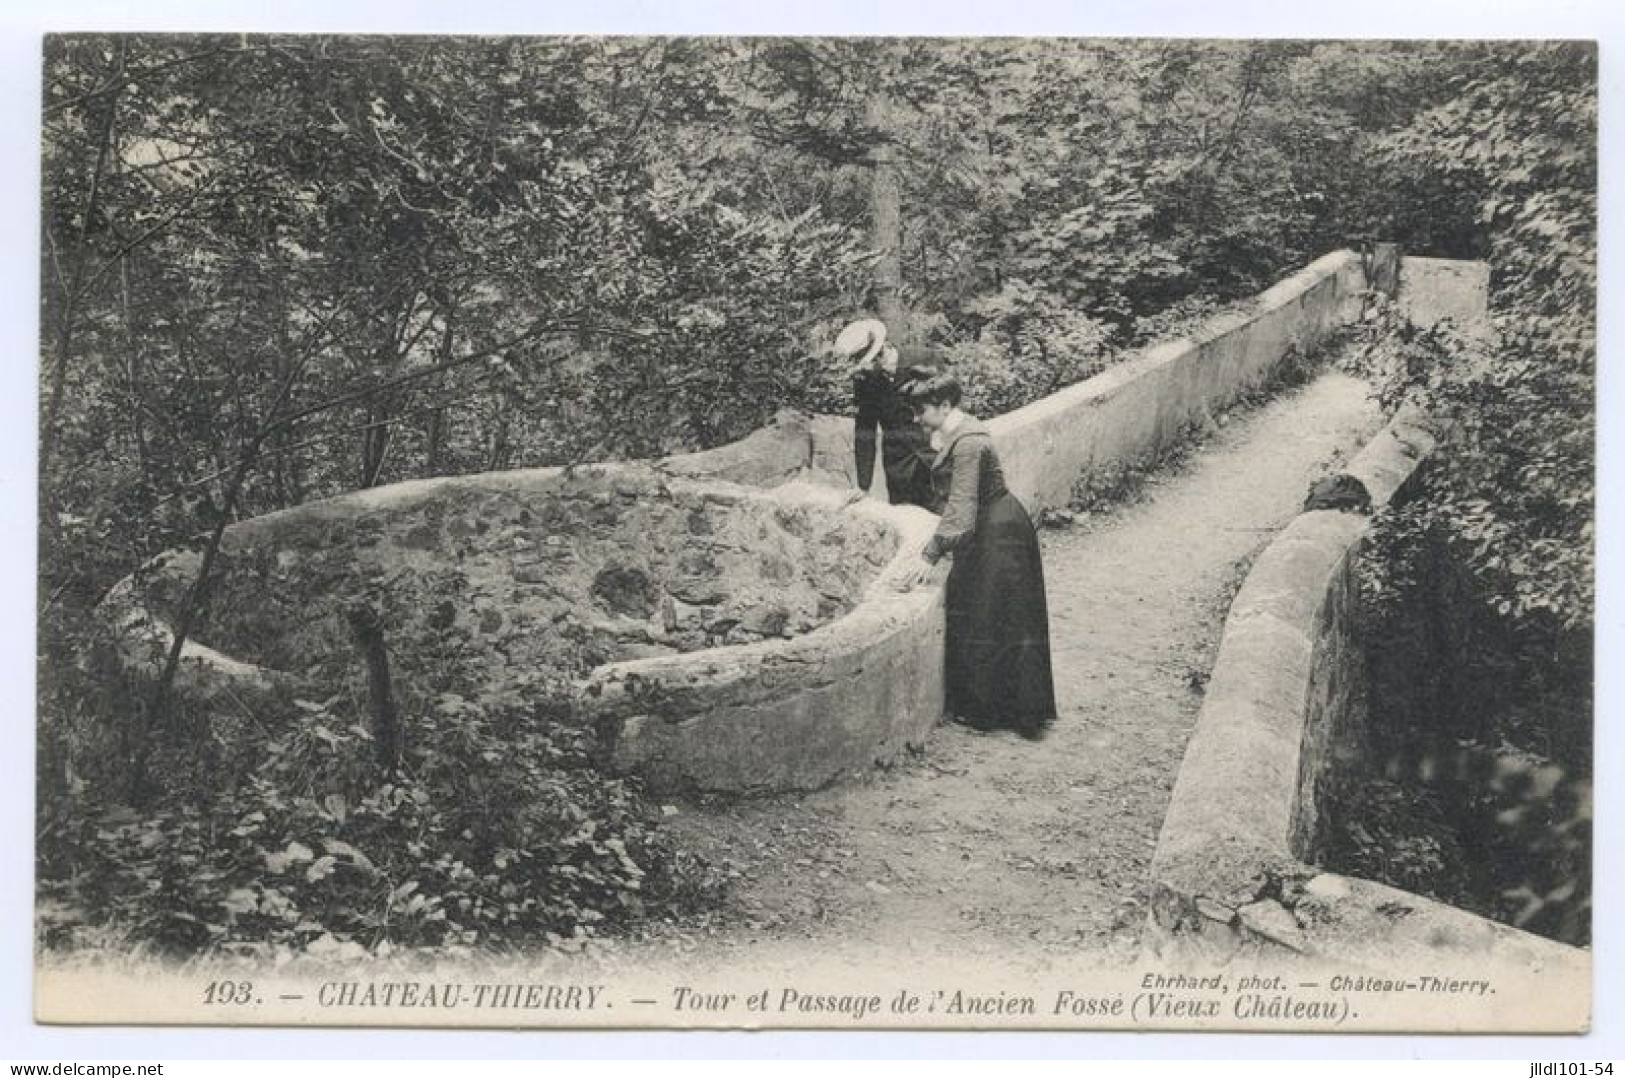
{"type": "Point", "coordinates": [498, 831]}
{"type": "Point", "coordinates": [1028, 346]}
{"type": "Point", "coordinates": [1476, 586]}
{"type": "Point", "coordinates": [1399, 835]}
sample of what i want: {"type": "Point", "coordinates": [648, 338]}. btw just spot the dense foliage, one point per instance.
{"type": "Point", "coordinates": [1516, 495]}
{"type": "Point", "coordinates": [277, 268]}
{"type": "Point", "coordinates": [498, 831]}
{"type": "Point", "coordinates": [356, 260]}
{"type": "Point", "coordinates": [1482, 579]}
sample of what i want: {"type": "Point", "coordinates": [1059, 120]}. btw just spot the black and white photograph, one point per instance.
{"type": "Point", "coordinates": [816, 532]}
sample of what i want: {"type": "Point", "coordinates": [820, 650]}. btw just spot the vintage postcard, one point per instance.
{"type": "Point", "coordinates": [816, 532]}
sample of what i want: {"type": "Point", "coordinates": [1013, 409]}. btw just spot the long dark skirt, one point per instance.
{"type": "Point", "coordinates": [998, 669]}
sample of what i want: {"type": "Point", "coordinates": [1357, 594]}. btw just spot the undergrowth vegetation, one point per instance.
{"type": "Point", "coordinates": [277, 269]}
{"type": "Point", "coordinates": [497, 829]}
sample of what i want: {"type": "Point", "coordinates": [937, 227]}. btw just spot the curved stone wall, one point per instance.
{"type": "Point", "coordinates": [792, 445]}
{"type": "Point", "coordinates": [739, 688]}
{"type": "Point", "coordinates": [1283, 707]}
{"type": "Point", "coordinates": [796, 713]}
{"type": "Point", "coordinates": [793, 714]}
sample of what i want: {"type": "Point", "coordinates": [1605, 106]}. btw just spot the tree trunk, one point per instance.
{"type": "Point", "coordinates": [132, 378]}
{"type": "Point", "coordinates": [285, 469]}
{"type": "Point", "coordinates": [374, 443]}
{"type": "Point", "coordinates": [435, 451]}
{"type": "Point", "coordinates": [886, 206]}
{"type": "Point", "coordinates": [368, 629]}
{"type": "Point", "coordinates": [191, 607]}
{"type": "Point", "coordinates": [434, 454]}
{"type": "Point", "coordinates": [67, 313]}
{"type": "Point", "coordinates": [498, 450]}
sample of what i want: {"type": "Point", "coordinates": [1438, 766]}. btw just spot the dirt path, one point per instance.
{"type": "Point", "coordinates": [990, 844]}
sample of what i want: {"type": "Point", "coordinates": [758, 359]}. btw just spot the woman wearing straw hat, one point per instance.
{"type": "Point", "coordinates": [878, 385]}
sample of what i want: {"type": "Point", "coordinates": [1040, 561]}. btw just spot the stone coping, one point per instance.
{"type": "Point", "coordinates": [1150, 400]}
{"type": "Point", "coordinates": [1226, 877]}
{"type": "Point", "coordinates": [711, 697]}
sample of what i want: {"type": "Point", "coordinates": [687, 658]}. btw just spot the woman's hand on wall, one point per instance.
{"type": "Point", "coordinates": [917, 576]}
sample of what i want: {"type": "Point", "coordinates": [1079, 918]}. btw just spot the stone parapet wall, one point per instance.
{"type": "Point", "coordinates": [1151, 400]}
{"type": "Point", "coordinates": [798, 713]}
{"type": "Point", "coordinates": [1283, 712]}
{"type": "Point", "coordinates": [800, 706]}
{"type": "Point", "coordinates": [792, 445]}
{"type": "Point", "coordinates": [1434, 290]}
{"type": "Point", "coordinates": [795, 714]}
{"type": "Point", "coordinates": [1140, 406]}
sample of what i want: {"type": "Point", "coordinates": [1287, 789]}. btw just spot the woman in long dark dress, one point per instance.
{"type": "Point", "coordinates": [998, 665]}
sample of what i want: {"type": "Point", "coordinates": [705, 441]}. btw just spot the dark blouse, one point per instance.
{"type": "Point", "coordinates": [883, 408]}
{"type": "Point", "coordinates": [966, 475]}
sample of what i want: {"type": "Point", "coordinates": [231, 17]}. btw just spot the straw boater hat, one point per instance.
{"type": "Point", "coordinates": [861, 341]}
